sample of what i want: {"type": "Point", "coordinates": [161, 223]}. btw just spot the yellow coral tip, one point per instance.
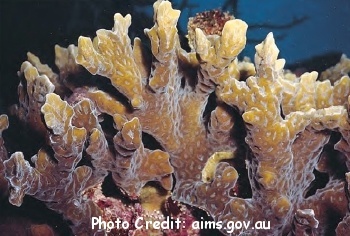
{"type": "Point", "coordinates": [136, 102]}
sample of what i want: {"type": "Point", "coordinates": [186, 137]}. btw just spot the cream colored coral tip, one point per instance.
{"type": "Point", "coordinates": [136, 102]}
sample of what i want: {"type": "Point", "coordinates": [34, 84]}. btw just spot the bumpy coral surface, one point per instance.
{"type": "Point", "coordinates": [241, 141]}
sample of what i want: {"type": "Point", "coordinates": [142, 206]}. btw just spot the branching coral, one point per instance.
{"type": "Point", "coordinates": [265, 133]}
{"type": "Point", "coordinates": [282, 146]}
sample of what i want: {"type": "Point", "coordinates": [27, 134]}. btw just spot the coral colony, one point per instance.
{"type": "Point", "coordinates": [242, 141]}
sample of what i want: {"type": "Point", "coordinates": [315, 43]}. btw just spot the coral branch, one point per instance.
{"type": "Point", "coordinates": [99, 58]}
